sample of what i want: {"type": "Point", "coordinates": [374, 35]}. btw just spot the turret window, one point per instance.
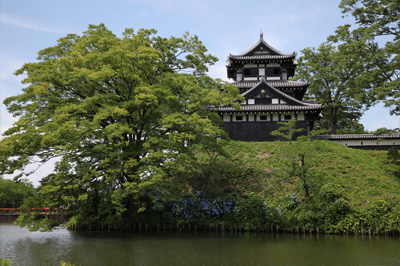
{"type": "Point", "coordinates": [287, 117]}
{"type": "Point", "coordinates": [273, 72]}
{"type": "Point", "coordinates": [250, 72]}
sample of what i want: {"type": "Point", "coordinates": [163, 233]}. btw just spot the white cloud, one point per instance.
{"type": "Point", "coordinates": [27, 23]}
{"type": "Point", "coordinates": [218, 71]}
{"type": "Point", "coordinates": [8, 65]}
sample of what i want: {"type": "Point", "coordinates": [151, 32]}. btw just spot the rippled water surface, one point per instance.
{"type": "Point", "coordinates": [172, 248]}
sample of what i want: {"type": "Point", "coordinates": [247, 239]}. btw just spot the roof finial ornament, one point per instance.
{"type": "Point", "coordinates": [261, 34]}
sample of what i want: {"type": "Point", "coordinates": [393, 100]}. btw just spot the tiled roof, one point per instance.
{"type": "Point", "coordinates": [261, 57]}
{"type": "Point", "coordinates": [357, 136]}
{"type": "Point", "coordinates": [261, 41]}
{"type": "Point", "coordinates": [276, 84]}
{"type": "Point", "coordinates": [269, 108]}
{"type": "Point", "coordinates": [293, 103]}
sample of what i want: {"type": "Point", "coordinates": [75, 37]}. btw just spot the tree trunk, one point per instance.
{"type": "Point", "coordinates": [306, 190]}
{"type": "Point", "coordinates": [333, 122]}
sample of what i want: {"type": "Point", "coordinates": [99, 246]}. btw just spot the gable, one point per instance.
{"type": "Point", "coordinates": [263, 90]}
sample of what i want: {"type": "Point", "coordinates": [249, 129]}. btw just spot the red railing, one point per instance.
{"type": "Point", "coordinates": [40, 210]}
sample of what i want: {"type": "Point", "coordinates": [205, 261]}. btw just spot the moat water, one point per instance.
{"type": "Point", "coordinates": [189, 248]}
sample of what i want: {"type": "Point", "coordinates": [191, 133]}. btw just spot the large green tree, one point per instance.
{"type": "Point", "coordinates": [379, 21]}
{"type": "Point", "coordinates": [335, 81]}
{"type": "Point", "coordinates": [356, 66]}
{"type": "Point", "coordinates": [116, 112]}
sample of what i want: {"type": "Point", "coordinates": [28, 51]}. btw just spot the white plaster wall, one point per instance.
{"type": "Point", "coordinates": [368, 142]}
{"type": "Point", "coordinates": [250, 78]}
{"type": "Point", "coordinates": [227, 117]}
{"type": "Point", "coordinates": [300, 117]}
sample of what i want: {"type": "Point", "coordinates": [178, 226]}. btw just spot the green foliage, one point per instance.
{"type": "Point", "coordinates": [384, 130]}
{"type": "Point", "coordinates": [118, 113]}
{"type": "Point", "coordinates": [376, 18]}
{"type": "Point", "coordinates": [13, 193]}
{"type": "Point", "coordinates": [287, 130]}
{"type": "Point", "coordinates": [393, 154]}
{"type": "Point", "coordinates": [5, 262]}
{"type": "Point", "coordinates": [335, 81]}
{"type": "Point", "coordinates": [296, 159]}
{"type": "Point", "coordinates": [63, 263]}
{"type": "Point", "coordinates": [350, 71]}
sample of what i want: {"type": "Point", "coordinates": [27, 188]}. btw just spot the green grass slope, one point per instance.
{"type": "Point", "coordinates": [349, 189]}
{"type": "Point", "coordinates": [359, 175]}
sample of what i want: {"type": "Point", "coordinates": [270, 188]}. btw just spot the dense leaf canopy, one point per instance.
{"type": "Point", "coordinates": [379, 21]}
{"type": "Point", "coordinates": [357, 66]}
{"type": "Point", "coordinates": [116, 112]}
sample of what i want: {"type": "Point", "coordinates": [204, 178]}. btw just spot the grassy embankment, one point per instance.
{"type": "Point", "coordinates": [349, 190]}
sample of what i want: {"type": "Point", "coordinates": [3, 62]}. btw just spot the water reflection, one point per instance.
{"type": "Point", "coordinates": [193, 248]}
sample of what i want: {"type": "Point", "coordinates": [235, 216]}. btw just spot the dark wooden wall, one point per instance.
{"type": "Point", "coordinates": [257, 131]}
